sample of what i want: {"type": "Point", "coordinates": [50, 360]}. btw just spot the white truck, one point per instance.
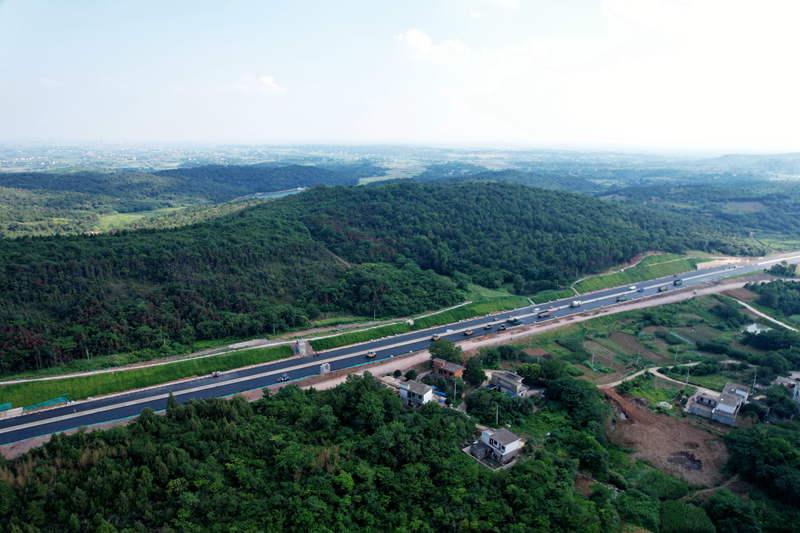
{"type": "Point", "coordinates": [632, 288]}
{"type": "Point", "coordinates": [576, 303]}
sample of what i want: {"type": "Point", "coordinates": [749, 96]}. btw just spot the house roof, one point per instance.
{"type": "Point", "coordinates": [731, 399]}
{"type": "Point", "coordinates": [733, 387]}
{"type": "Point", "coordinates": [504, 436]}
{"type": "Point", "coordinates": [510, 376]}
{"type": "Point", "coordinates": [418, 388]}
{"type": "Point", "coordinates": [450, 367]}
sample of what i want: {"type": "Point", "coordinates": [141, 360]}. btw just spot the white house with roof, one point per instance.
{"type": "Point", "coordinates": [719, 406]}
{"type": "Point", "coordinates": [414, 393]}
{"type": "Point", "coordinates": [500, 445]}
{"type": "Point", "coordinates": [509, 382]}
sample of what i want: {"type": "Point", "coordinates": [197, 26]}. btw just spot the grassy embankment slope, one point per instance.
{"type": "Point", "coordinates": [651, 267]}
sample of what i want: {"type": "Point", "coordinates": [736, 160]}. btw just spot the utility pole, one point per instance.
{"type": "Point", "coordinates": [688, 369]}
{"type": "Point", "coordinates": [676, 354]}
{"type": "Point", "coordinates": [638, 354]}
{"type": "Point", "coordinates": [496, 415]}
{"type": "Point", "coordinates": [592, 360]}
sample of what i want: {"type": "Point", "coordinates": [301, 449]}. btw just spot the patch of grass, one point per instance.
{"type": "Point", "coordinates": [478, 292]}
{"type": "Point", "coordinates": [641, 272]}
{"type": "Point", "coordinates": [355, 337]}
{"type": "Point", "coordinates": [779, 241]}
{"type": "Point", "coordinates": [31, 393]}
{"type": "Point", "coordinates": [549, 296]}
{"type": "Point", "coordinates": [654, 395]}
{"type": "Point", "coordinates": [711, 381]}
{"type": "Point", "coordinates": [543, 422]}
{"type": "Point", "coordinates": [120, 220]}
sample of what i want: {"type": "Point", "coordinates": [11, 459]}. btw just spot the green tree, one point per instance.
{"type": "Point", "coordinates": [447, 350]}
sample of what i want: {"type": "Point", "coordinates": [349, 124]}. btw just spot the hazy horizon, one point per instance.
{"type": "Point", "coordinates": [636, 76]}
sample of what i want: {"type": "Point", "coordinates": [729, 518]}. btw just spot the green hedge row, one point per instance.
{"type": "Point", "coordinates": [31, 393]}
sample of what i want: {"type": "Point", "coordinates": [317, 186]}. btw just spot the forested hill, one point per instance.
{"type": "Point", "coordinates": [546, 181]}
{"type": "Point", "coordinates": [68, 202]}
{"type": "Point", "coordinates": [353, 249]}
{"type": "Point", "coordinates": [212, 183]}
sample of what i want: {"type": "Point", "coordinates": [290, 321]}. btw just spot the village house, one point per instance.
{"type": "Point", "coordinates": [722, 406]}
{"type": "Point", "coordinates": [500, 445]}
{"type": "Point", "coordinates": [446, 369]}
{"type": "Point", "coordinates": [414, 393]}
{"type": "Point", "coordinates": [509, 382]}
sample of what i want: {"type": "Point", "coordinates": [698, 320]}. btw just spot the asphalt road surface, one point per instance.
{"type": "Point", "coordinates": [87, 413]}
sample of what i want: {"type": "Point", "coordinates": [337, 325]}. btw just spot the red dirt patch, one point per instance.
{"type": "Point", "coordinates": [675, 446]}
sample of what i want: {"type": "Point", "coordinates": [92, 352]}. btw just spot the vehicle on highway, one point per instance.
{"type": "Point", "coordinates": [678, 282]}
{"type": "Point", "coordinates": [695, 291]}
{"type": "Point", "coordinates": [435, 337]}
{"type": "Point", "coordinates": [576, 303]}
{"type": "Point", "coordinates": [283, 377]}
{"type": "Point", "coordinates": [641, 289]}
{"type": "Point", "coordinates": [536, 310]}
{"type": "Point", "coordinates": [216, 373]}
{"type": "Point", "coordinates": [622, 298]}
{"type": "Point", "coordinates": [371, 354]}
{"type": "Point", "coordinates": [488, 326]}
{"type": "Point", "coordinates": [632, 288]}
{"type": "Point", "coordinates": [502, 327]}
{"type": "Point", "coordinates": [511, 319]}
{"type": "Point", "coordinates": [449, 331]}
{"type": "Point", "coordinates": [544, 314]}
{"type": "Point", "coordinates": [663, 288]}
{"type": "Point", "coordinates": [468, 332]}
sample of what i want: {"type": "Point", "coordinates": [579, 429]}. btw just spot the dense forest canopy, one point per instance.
{"type": "Point", "coordinates": [345, 459]}
{"type": "Point", "coordinates": [365, 250]}
{"type": "Point", "coordinates": [351, 458]}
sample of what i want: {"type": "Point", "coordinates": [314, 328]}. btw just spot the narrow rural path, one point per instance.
{"type": "Point", "coordinates": [652, 370]}
{"type": "Point", "coordinates": [734, 479]}
{"type": "Point", "coordinates": [759, 313]}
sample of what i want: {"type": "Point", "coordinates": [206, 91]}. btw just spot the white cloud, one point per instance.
{"type": "Point", "coordinates": [477, 15]}
{"type": "Point", "coordinates": [248, 84]}
{"type": "Point", "coordinates": [510, 4]}
{"type": "Point", "coordinates": [267, 84]}
{"type": "Point", "coordinates": [421, 46]}
{"type": "Point", "coordinates": [47, 81]}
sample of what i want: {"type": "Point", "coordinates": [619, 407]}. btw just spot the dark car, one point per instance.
{"type": "Point", "coordinates": [502, 327]}
{"type": "Point", "coordinates": [284, 377]}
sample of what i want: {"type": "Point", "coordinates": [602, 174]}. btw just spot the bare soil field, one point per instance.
{"type": "Point", "coordinates": [538, 352]}
{"type": "Point", "coordinates": [675, 446]}
{"type": "Point", "coordinates": [630, 343]}
{"type": "Point", "coordinates": [741, 294]}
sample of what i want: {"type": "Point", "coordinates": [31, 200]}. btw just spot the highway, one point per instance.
{"type": "Point", "coordinates": [126, 405]}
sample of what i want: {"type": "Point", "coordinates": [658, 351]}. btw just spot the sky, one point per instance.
{"type": "Point", "coordinates": [638, 74]}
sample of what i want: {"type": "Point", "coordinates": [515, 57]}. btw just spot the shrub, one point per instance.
{"type": "Point", "coordinates": [679, 517]}
{"type": "Point", "coordinates": [662, 485]}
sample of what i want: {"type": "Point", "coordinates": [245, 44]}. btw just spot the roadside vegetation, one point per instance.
{"type": "Point", "coordinates": [79, 388]}
{"type": "Point", "coordinates": [651, 267]}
